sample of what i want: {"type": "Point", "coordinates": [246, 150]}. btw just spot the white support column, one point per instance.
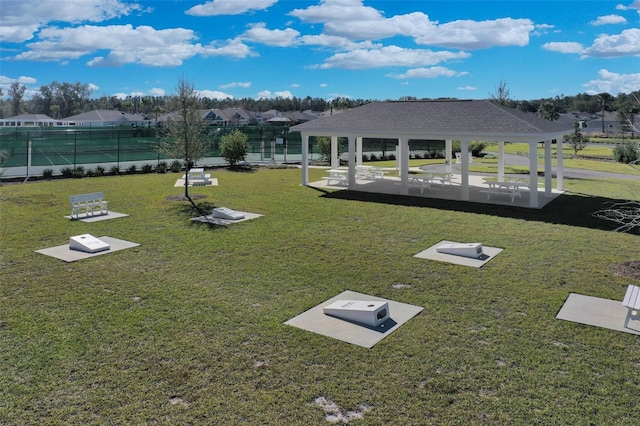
{"type": "Point", "coordinates": [559, 165]}
{"type": "Point", "coordinates": [501, 161]}
{"type": "Point", "coordinates": [305, 159]}
{"type": "Point", "coordinates": [548, 171]}
{"type": "Point", "coordinates": [359, 151]}
{"type": "Point", "coordinates": [447, 156]}
{"type": "Point", "coordinates": [352, 162]}
{"type": "Point", "coordinates": [464, 160]}
{"type": "Point", "coordinates": [533, 174]}
{"type": "Point", "coordinates": [335, 161]}
{"type": "Point", "coordinates": [403, 150]}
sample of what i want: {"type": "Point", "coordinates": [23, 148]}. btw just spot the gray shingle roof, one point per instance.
{"type": "Point", "coordinates": [433, 118]}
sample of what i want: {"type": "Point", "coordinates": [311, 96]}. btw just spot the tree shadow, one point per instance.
{"type": "Point", "coordinates": [571, 209]}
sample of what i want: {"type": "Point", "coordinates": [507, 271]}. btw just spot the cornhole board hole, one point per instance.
{"type": "Point", "coordinates": [317, 320]}
{"type": "Point", "coordinates": [64, 252]}
{"type": "Point", "coordinates": [226, 213]}
{"type": "Point", "coordinates": [87, 243]}
{"type": "Point", "coordinates": [432, 253]}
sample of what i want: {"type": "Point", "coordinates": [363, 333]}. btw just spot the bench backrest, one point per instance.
{"type": "Point", "coordinates": [632, 297]}
{"type": "Point", "coordinates": [81, 198]}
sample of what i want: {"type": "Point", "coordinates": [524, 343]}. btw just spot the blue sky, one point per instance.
{"type": "Point", "coordinates": [324, 48]}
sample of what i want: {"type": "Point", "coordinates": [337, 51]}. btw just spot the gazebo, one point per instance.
{"type": "Point", "coordinates": [450, 120]}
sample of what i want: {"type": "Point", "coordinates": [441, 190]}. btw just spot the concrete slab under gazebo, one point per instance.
{"type": "Point", "coordinates": [464, 121]}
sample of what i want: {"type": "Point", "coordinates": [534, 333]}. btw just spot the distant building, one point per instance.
{"type": "Point", "coordinates": [106, 118]}
{"type": "Point", "coordinates": [31, 120]}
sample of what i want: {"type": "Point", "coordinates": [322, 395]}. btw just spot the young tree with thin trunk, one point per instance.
{"type": "Point", "coordinates": [184, 136]}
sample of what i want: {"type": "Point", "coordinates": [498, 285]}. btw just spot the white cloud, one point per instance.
{"type": "Point", "coordinates": [229, 7]}
{"type": "Point", "coordinates": [609, 19]}
{"type": "Point", "coordinates": [156, 91]}
{"type": "Point", "coordinates": [213, 94]}
{"type": "Point", "coordinates": [352, 20]}
{"type": "Point", "coordinates": [267, 94]}
{"type": "Point", "coordinates": [245, 84]}
{"type": "Point", "coordinates": [626, 43]}
{"type": "Point", "coordinates": [389, 56]}
{"type": "Point", "coordinates": [337, 42]}
{"type": "Point", "coordinates": [467, 88]}
{"type": "Point", "coordinates": [633, 6]}
{"type": "Point", "coordinates": [479, 35]}
{"type": "Point", "coordinates": [168, 47]}
{"type": "Point", "coordinates": [22, 19]}
{"type": "Point", "coordinates": [613, 83]}
{"type": "Point", "coordinates": [564, 47]}
{"type": "Point", "coordinates": [233, 48]}
{"type": "Point", "coordinates": [162, 48]}
{"type": "Point", "coordinates": [432, 72]}
{"type": "Point", "coordinates": [260, 34]}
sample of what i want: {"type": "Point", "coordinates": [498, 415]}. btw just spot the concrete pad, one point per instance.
{"type": "Point", "coordinates": [316, 321]}
{"type": "Point", "coordinates": [432, 254]}
{"type": "Point", "coordinates": [65, 253]}
{"type": "Point", "coordinates": [210, 182]}
{"type": "Point", "coordinates": [98, 218]}
{"type": "Point", "coordinates": [598, 312]}
{"type": "Point", "coordinates": [224, 222]}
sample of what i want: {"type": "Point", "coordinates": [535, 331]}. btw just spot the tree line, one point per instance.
{"type": "Point", "coordinates": [64, 99]}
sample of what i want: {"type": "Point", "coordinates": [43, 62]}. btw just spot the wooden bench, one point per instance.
{"type": "Point", "coordinates": [631, 301]}
{"type": "Point", "coordinates": [89, 204]}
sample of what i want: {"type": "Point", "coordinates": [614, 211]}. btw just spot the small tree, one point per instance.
{"type": "Point", "coordinates": [184, 137]}
{"type": "Point", "coordinates": [324, 147]}
{"type": "Point", "coordinates": [548, 111]}
{"type": "Point", "coordinates": [576, 139]}
{"type": "Point", "coordinates": [4, 155]}
{"type": "Point", "coordinates": [234, 147]}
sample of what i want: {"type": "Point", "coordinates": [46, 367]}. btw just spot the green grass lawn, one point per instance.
{"type": "Point", "coordinates": [188, 327]}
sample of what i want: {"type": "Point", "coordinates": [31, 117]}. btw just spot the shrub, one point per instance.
{"type": "Point", "coordinates": [625, 152]}
{"type": "Point", "coordinates": [476, 148]}
{"type": "Point", "coordinates": [234, 147]}
{"type": "Point", "coordinates": [78, 172]}
{"type": "Point", "coordinates": [99, 170]}
{"type": "Point", "coordinates": [66, 171]}
{"type": "Point", "coordinates": [131, 169]}
{"type": "Point", "coordinates": [162, 167]}
{"type": "Point", "coordinates": [89, 173]}
{"type": "Point", "coordinates": [373, 157]}
{"type": "Point", "coordinates": [114, 170]}
{"type": "Point", "coordinates": [47, 173]}
{"type": "Point", "coordinates": [391, 157]}
{"type": "Point", "coordinates": [176, 166]}
{"type": "Point", "coordinates": [147, 168]}
{"type": "Point", "coordinates": [365, 158]}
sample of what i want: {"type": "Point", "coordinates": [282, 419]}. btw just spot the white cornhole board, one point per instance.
{"type": "Point", "coordinates": [87, 243]}
{"type": "Point", "coordinates": [432, 253]}
{"type": "Point", "coordinates": [371, 313]}
{"type": "Point", "coordinates": [461, 249]}
{"type": "Point", "coordinates": [317, 321]}
{"type": "Point", "coordinates": [226, 213]}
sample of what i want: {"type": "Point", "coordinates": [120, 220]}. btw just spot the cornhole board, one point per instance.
{"type": "Point", "coordinates": [432, 253]}
{"type": "Point", "coordinates": [317, 321]}
{"type": "Point", "coordinates": [67, 254]}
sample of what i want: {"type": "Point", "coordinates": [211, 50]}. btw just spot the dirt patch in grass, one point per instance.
{"type": "Point", "coordinates": [183, 198]}
{"type": "Point", "coordinates": [630, 269]}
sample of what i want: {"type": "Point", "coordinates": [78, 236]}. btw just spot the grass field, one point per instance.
{"type": "Point", "coordinates": [188, 327]}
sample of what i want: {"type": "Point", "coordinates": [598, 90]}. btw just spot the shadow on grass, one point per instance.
{"type": "Point", "coordinates": [572, 209]}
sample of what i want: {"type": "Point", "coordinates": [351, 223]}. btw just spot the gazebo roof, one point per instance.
{"type": "Point", "coordinates": [451, 119]}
